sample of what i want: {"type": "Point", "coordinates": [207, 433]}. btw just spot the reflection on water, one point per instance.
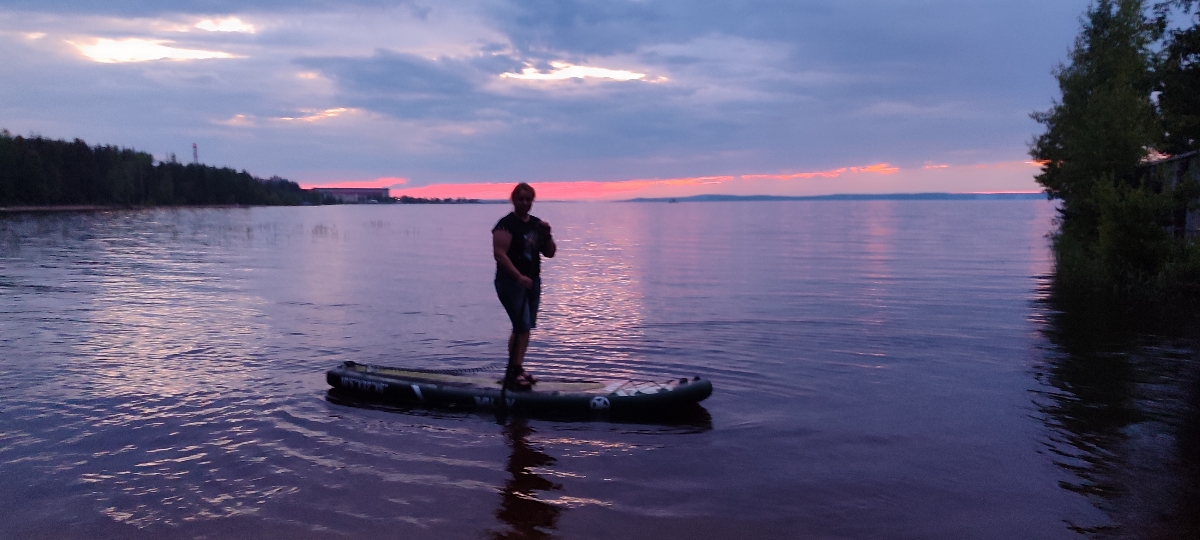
{"type": "Point", "coordinates": [522, 507]}
{"type": "Point", "coordinates": [533, 497]}
{"type": "Point", "coordinates": [162, 376]}
{"type": "Point", "coordinates": [881, 230]}
{"type": "Point", "coordinates": [593, 305]}
{"type": "Point", "coordinates": [1124, 413]}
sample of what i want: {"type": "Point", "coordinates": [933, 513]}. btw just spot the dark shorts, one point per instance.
{"type": "Point", "coordinates": [520, 303]}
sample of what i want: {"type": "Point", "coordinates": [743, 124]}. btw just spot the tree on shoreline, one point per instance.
{"type": "Point", "coordinates": [1116, 216]}
{"type": "Point", "coordinates": [1179, 80]}
{"type": "Point", "coordinates": [36, 171]}
{"type": "Point", "coordinates": [1105, 122]}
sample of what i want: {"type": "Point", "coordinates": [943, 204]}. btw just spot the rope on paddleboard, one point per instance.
{"type": "Point", "coordinates": [496, 366]}
{"type": "Point", "coordinates": [459, 371]}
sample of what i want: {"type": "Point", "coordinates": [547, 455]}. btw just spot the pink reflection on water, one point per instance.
{"type": "Point", "coordinates": [878, 241]}
{"type": "Point", "coordinates": [592, 300]}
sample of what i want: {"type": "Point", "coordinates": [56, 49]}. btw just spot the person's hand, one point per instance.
{"type": "Point", "coordinates": [545, 228]}
{"type": "Point", "coordinates": [525, 282]}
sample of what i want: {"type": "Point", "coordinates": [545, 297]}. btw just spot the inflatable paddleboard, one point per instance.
{"type": "Point", "coordinates": [482, 391]}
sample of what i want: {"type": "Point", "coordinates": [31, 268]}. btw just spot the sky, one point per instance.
{"type": "Point", "coordinates": [585, 99]}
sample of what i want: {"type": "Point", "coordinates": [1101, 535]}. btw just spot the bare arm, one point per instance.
{"type": "Point", "coordinates": [549, 248]}
{"type": "Point", "coordinates": [501, 240]}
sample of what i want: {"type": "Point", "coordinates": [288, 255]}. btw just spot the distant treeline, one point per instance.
{"type": "Point", "coordinates": [35, 171]}
{"type": "Point", "coordinates": [851, 197]}
{"type": "Point", "coordinates": [405, 199]}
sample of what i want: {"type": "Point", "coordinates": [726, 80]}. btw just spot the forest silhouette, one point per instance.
{"type": "Point", "coordinates": [36, 171]}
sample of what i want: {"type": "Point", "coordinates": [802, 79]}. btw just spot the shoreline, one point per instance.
{"type": "Point", "coordinates": [102, 207]}
{"type": "Point", "coordinates": [29, 209]}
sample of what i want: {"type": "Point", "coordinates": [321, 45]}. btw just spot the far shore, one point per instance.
{"type": "Point", "coordinates": [102, 207]}
{"type": "Point", "coordinates": [29, 209]}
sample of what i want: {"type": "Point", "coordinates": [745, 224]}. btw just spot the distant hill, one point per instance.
{"type": "Point", "coordinates": [852, 197]}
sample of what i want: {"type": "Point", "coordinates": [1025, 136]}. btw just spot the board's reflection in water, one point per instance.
{"type": "Point", "coordinates": [524, 514]}
{"type": "Point", "coordinates": [531, 504]}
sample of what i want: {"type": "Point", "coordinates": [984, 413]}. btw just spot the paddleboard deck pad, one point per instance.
{"type": "Point", "coordinates": [482, 391]}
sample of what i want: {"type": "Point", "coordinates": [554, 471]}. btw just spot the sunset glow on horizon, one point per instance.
{"type": "Point", "coordinates": [386, 182]}
{"type": "Point", "coordinates": [1016, 173]}
{"type": "Point", "coordinates": [584, 190]}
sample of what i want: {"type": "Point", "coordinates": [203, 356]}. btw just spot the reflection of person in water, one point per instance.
{"type": "Point", "coordinates": [526, 516]}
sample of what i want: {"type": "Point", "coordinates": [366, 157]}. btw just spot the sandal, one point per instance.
{"type": "Point", "coordinates": [520, 383]}
{"type": "Point", "coordinates": [527, 376]}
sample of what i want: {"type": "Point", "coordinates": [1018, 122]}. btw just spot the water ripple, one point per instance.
{"type": "Point", "coordinates": [163, 372]}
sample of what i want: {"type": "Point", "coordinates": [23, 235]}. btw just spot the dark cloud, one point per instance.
{"type": "Point", "coordinates": [408, 86]}
{"type": "Point", "coordinates": [881, 113]}
{"type": "Point", "coordinates": [398, 73]}
{"type": "Point", "coordinates": [153, 8]}
{"type": "Point", "coordinates": [581, 26]}
{"type": "Point", "coordinates": [754, 86]}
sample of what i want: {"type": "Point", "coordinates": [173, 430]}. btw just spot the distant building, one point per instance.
{"type": "Point", "coordinates": [355, 195]}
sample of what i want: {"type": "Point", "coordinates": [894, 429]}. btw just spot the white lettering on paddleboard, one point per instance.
{"type": "Point", "coordinates": [599, 403]}
{"type": "Point", "coordinates": [484, 401]}
{"type": "Point", "coordinates": [360, 384]}
{"type": "Point", "coordinates": [417, 391]}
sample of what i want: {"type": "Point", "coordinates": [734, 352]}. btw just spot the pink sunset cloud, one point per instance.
{"type": "Point", "coordinates": [1001, 177]}
{"type": "Point", "coordinates": [585, 190]}
{"type": "Point", "coordinates": [384, 182]}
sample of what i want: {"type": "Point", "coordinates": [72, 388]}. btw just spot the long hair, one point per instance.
{"type": "Point", "coordinates": [522, 186]}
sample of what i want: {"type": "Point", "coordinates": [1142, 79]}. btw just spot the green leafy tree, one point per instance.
{"type": "Point", "coordinates": [1118, 214]}
{"type": "Point", "coordinates": [39, 171]}
{"type": "Point", "coordinates": [1179, 80]}
{"type": "Point", "coordinates": [129, 177]}
{"type": "Point", "coordinates": [1105, 122]}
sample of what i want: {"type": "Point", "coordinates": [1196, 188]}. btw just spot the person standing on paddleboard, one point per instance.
{"type": "Point", "coordinates": [518, 242]}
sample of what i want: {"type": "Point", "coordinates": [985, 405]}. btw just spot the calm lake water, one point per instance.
{"type": "Point", "coordinates": [882, 369]}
